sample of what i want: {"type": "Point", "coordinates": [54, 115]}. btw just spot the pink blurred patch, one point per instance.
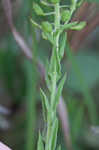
{"type": "Point", "coordinates": [4, 147]}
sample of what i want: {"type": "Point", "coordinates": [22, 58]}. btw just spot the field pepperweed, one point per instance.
{"type": "Point", "coordinates": [54, 33]}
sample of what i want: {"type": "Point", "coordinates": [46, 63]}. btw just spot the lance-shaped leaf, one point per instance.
{"type": "Point", "coordinates": [59, 91]}
{"type": "Point", "coordinates": [65, 27]}
{"type": "Point", "coordinates": [62, 44]}
{"type": "Point", "coordinates": [38, 10]}
{"type": "Point", "coordinates": [45, 104]}
{"type": "Point", "coordinates": [52, 62]}
{"type": "Point", "coordinates": [55, 59]}
{"type": "Point", "coordinates": [53, 137]}
{"type": "Point", "coordinates": [79, 26]}
{"type": "Point", "coordinates": [40, 145]}
{"type": "Point", "coordinates": [47, 77]}
{"type": "Point", "coordinates": [58, 66]}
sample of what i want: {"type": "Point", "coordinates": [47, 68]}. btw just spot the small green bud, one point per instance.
{"type": "Point", "coordinates": [46, 26]}
{"type": "Point", "coordinates": [54, 1]}
{"type": "Point", "coordinates": [79, 26]}
{"type": "Point", "coordinates": [65, 15]}
{"type": "Point", "coordinates": [38, 10]}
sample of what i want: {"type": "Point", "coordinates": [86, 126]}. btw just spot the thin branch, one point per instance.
{"type": "Point", "coordinates": [20, 41]}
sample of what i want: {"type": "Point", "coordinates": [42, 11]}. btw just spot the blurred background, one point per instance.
{"type": "Point", "coordinates": [20, 78]}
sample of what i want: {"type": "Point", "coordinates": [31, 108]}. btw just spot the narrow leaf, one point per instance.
{"type": "Point", "coordinates": [62, 44]}
{"type": "Point", "coordinates": [59, 91]}
{"type": "Point", "coordinates": [58, 66]}
{"type": "Point", "coordinates": [66, 26]}
{"type": "Point", "coordinates": [55, 59]}
{"type": "Point", "coordinates": [47, 77]}
{"type": "Point", "coordinates": [79, 26]}
{"type": "Point", "coordinates": [45, 104]}
{"type": "Point", "coordinates": [53, 139]}
{"type": "Point", "coordinates": [40, 145]}
{"type": "Point", "coordinates": [52, 61]}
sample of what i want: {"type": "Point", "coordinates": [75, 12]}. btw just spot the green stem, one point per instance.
{"type": "Point", "coordinates": [53, 88]}
{"type": "Point", "coordinates": [57, 16]}
{"type": "Point", "coordinates": [53, 79]}
{"type": "Point", "coordinates": [57, 23]}
{"type": "Point", "coordinates": [48, 134]}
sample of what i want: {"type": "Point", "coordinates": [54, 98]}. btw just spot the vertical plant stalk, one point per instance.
{"type": "Point", "coordinates": [51, 112]}
{"type": "Point", "coordinates": [57, 37]}
{"type": "Point", "coordinates": [54, 79]}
